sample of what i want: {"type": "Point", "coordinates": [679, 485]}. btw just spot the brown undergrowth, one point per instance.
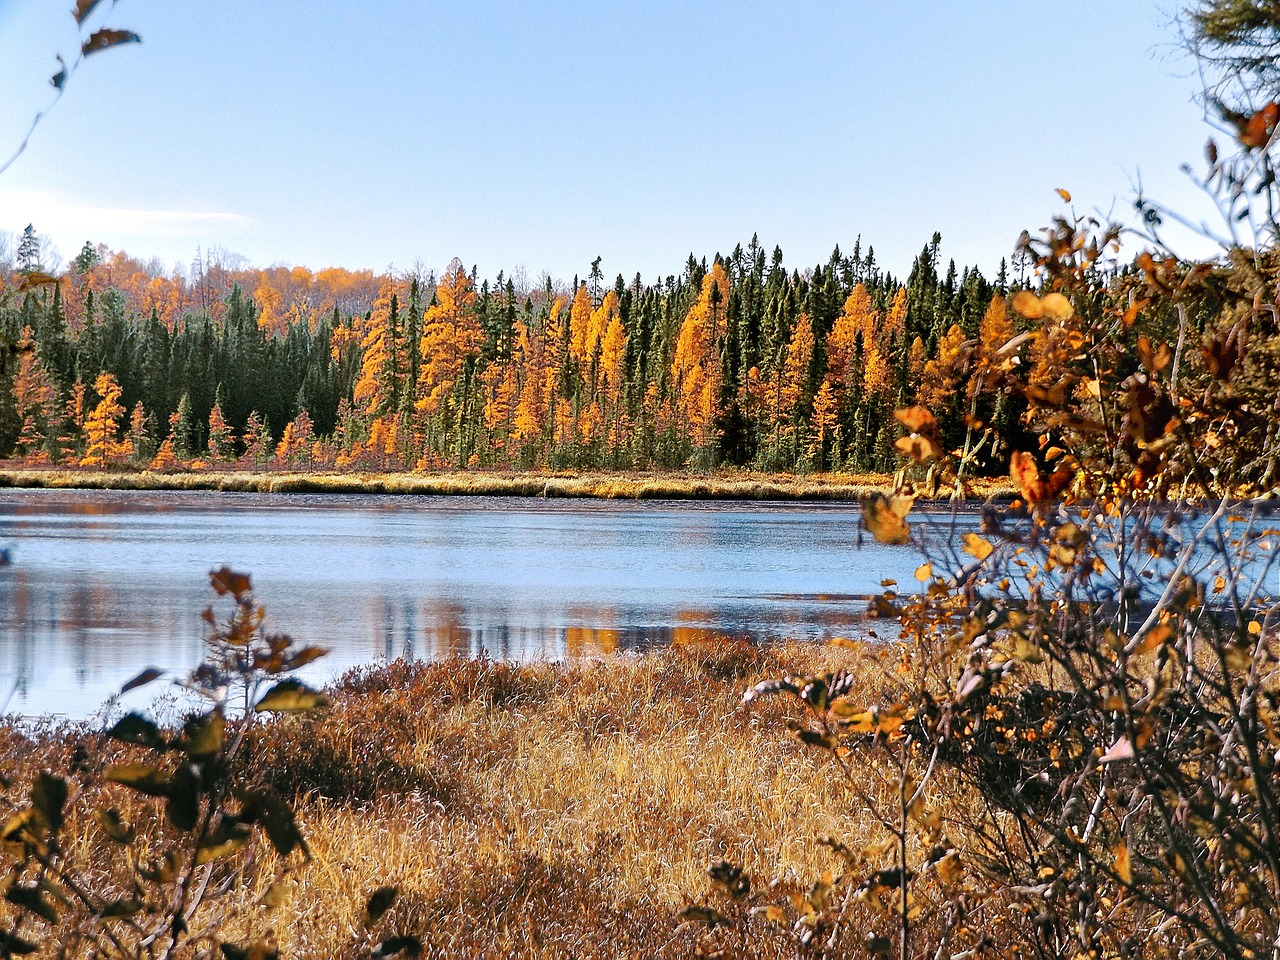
{"type": "Point", "coordinates": [518, 810]}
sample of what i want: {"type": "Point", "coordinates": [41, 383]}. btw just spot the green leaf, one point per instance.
{"type": "Point", "coordinates": [228, 837]}
{"type": "Point", "coordinates": [380, 902]}
{"type": "Point", "coordinates": [204, 736]}
{"type": "Point", "coordinates": [135, 728]}
{"type": "Point", "coordinates": [49, 796]}
{"type": "Point", "coordinates": [183, 808]}
{"type": "Point", "coordinates": [141, 777]}
{"type": "Point", "coordinates": [292, 695]}
{"type": "Point", "coordinates": [105, 39]}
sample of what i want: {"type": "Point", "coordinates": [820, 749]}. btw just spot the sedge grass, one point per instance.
{"type": "Point", "coordinates": [521, 810]}
{"type": "Point", "coordinates": [729, 485]}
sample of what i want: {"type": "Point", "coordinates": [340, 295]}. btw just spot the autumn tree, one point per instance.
{"type": "Point", "coordinates": [695, 365]}
{"type": "Point", "coordinates": [221, 437]}
{"type": "Point", "coordinates": [451, 341]}
{"type": "Point", "coordinates": [102, 426]}
{"type": "Point", "coordinates": [35, 402]}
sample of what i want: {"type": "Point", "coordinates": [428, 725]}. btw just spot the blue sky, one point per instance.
{"type": "Point", "coordinates": [519, 134]}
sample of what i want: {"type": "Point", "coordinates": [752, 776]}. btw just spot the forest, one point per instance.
{"type": "Point", "coordinates": [733, 362]}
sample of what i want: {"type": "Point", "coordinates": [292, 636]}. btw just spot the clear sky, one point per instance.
{"type": "Point", "coordinates": [539, 135]}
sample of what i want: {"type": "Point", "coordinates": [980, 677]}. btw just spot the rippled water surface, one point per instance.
{"type": "Point", "coordinates": [103, 584]}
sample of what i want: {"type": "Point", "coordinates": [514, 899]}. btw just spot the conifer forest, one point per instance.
{"type": "Point", "coordinates": [734, 360]}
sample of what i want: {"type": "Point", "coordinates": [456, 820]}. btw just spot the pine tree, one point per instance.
{"type": "Point", "coordinates": [182, 429]}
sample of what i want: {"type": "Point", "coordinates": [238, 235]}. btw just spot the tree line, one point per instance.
{"type": "Point", "coordinates": [736, 361]}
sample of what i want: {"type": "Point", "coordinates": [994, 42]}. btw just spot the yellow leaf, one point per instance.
{"type": "Point", "coordinates": [1123, 869]}
{"type": "Point", "coordinates": [924, 572]}
{"type": "Point", "coordinates": [1028, 304]}
{"type": "Point", "coordinates": [883, 518]}
{"type": "Point", "coordinates": [1056, 307]}
{"type": "Point", "coordinates": [917, 419]}
{"type": "Point", "coordinates": [1066, 197]}
{"type": "Point", "coordinates": [1155, 638]}
{"type": "Point", "coordinates": [1255, 628]}
{"type": "Point", "coordinates": [977, 547]}
{"type": "Point", "coordinates": [949, 869]}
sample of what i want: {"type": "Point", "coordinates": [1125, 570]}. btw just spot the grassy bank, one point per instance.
{"type": "Point", "coordinates": [740, 485]}
{"type": "Point", "coordinates": [534, 811]}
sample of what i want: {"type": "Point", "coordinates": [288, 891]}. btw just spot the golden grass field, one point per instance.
{"type": "Point", "coordinates": [728, 485]}
{"type": "Point", "coordinates": [547, 810]}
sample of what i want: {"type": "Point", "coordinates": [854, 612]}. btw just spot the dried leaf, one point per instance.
{"type": "Point", "coordinates": [48, 797]}
{"type": "Point", "coordinates": [1122, 749]}
{"type": "Point", "coordinates": [141, 777]}
{"type": "Point", "coordinates": [1054, 306]}
{"type": "Point", "coordinates": [115, 828]}
{"type": "Point", "coordinates": [883, 519]}
{"type": "Point", "coordinates": [917, 419]}
{"type": "Point", "coordinates": [1066, 197]}
{"type": "Point", "coordinates": [225, 580]}
{"type": "Point", "coordinates": [145, 677]}
{"type": "Point", "coordinates": [1122, 866]}
{"type": "Point", "coordinates": [977, 547]}
{"type": "Point", "coordinates": [105, 39]}
{"type": "Point", "coordinates": [83, 9]}
{"type": "Point", "coordinates": [1028, 304]}
{"type": "Point", "coordinates": [137, 729]}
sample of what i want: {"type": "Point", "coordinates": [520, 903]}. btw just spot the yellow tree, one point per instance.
{"type": "Point", "coordinates": [102, 425]}
{"type": "Point", "coordinates": [793, 379]}
{"type": "Point", "coordinates": [695, 366]}
{"type": "Point", "coordinates": [451, 336]}
{"type": "Point", "coordinates": [539, 349]}
{"type": "Point", "coordinates": [858, 320]}
{"type": "Point", "coordinates": [580, 325]}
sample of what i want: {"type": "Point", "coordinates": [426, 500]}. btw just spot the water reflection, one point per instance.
{"type": "Point", "coordinates": [106, 583]}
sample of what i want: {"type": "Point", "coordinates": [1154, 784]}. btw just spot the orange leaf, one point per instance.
{"type": "Point", "coordinates": [918, 448]}
{"type": "Point", "coordinates": [1028, 304]}
{"type": "Point", "coordinates": [917, 419]}
{"type": "Point", "coordinates": [1123, 869]}
{"type": "Point", "coordinates": [1026, 476]}
{"type": "Point", "coordinates": [1066, 197]}
{"type": "Point", "coordinates": [1056, 307]}
{"type": "Point", "coordinates": [977, 547]}
{"type": "Point", "coordinates": [883, 518]}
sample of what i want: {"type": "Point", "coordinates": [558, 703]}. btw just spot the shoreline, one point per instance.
{"type": "Point", "coordinates": [563, 484]}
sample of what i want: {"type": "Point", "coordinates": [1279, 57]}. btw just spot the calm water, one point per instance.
{"type": "Point", "coordinates": [104, 584]}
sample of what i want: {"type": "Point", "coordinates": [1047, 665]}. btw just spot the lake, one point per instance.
{"type": "Point", "coordinates": [105, 583]}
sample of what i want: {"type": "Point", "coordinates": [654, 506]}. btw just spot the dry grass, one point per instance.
{"type": "Point", "coordinates": [728, 485]}
{"type": "Point", "coordinates": [537, 811]}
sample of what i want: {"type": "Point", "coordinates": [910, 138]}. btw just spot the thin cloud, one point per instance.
{"type": "Point", "coordinates": [59, 216]}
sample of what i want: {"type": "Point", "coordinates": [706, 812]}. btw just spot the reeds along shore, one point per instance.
{"type": "Point", "coordinates": [520, 811]}
{"type": "Point", "coordinates": [621, 486]}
